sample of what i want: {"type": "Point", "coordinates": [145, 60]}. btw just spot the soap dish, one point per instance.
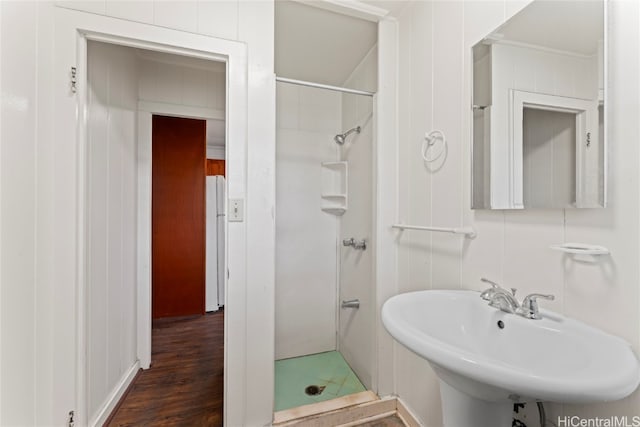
{"type": "Point", "coordinates": [581, 249]}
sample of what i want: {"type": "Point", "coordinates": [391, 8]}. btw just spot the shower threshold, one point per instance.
{"type": "Point", "coordinates": [286, 416]}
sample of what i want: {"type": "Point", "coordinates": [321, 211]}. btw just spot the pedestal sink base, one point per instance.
{"type": "Point", "coordinates": [462, 410]}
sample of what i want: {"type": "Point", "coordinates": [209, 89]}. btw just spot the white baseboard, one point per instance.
{"type": "Point", "coordinates": [114, 397]}
{"type": "Point", "coordinates": [406, 414]}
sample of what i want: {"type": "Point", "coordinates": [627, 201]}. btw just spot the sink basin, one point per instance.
{"type": "Point", "coordinates": [487, 359]}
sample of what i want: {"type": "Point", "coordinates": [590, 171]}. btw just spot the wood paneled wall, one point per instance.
{"type": "Point", "coordinates": [178, 216]}
{"type": "Point", "coordinates": [215, 167]}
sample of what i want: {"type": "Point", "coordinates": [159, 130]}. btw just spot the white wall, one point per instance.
{"type": "Point", "coordinates": [548, 159]}
{"type": "Point", "coordinates": [307, 237]}
{"type": "Point", "coordinates": [541, 71]}
{"type": "Point", "coordinates": [532, 70]}
{"type": "Point", "coordinates": [120, 77]}
{"type": "Point", "coordinates": [512, 247]}
{"type": "Point", "coordinates": [216, 153]}
{"type": "Point", "coordinates": [18, 181]}
{"type": "Point", "coordinates": [41, 394]}
{"type": "Point", "coordinates": [190, 87]}
{"type": "Point", "coordinates": [356, 327]}
{"type": "Point", "coordinates": [111, 285]}
{"type": "Point", "coordinates": [181, 81]}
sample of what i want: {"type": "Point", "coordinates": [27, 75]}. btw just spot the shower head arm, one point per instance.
{"type": "Point", "coordinates": [350, 131]}
{"type": "Point", "coordinates": [340, 138]}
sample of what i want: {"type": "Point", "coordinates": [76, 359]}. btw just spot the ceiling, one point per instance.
{"type": "Point", "coordinates": [318, 45]}
{"type": "Point", "coordinates": [572, 26]}
{"type": "Point", "coordinates": [312, 44]}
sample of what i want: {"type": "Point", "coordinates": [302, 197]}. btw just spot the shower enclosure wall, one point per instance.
{"type": "Point", "coordinates": [315, 272]}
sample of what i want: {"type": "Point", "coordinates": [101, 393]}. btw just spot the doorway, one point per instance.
{"type": "Point", "coordinates": [172, 210]}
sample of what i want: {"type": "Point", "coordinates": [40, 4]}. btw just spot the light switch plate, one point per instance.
{"type": "Point", "coordinates": [236, 210]}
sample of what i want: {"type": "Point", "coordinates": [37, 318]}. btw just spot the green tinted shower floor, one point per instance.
{"type": "Point", "coordinates": [328, 370]}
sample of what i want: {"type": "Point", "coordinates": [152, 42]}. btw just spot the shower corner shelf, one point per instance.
{"type": "Point", "coordinates": [334, 165]}
{"type": "Point", "coordinates": [334, 187]}
{"type": "Point", "coordinates": [334, 211]}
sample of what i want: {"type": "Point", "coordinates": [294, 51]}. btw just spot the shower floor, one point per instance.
{"type": "Point", "coordinates": [328, 370]}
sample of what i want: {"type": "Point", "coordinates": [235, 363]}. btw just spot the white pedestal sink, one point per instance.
{"type": "Point", "coordinates": [487, 359]}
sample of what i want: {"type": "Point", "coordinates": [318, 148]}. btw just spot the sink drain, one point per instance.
{"type": "Point", "coordinates": [313, 390]}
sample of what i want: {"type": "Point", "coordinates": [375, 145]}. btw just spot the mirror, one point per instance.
{"type": "Point", "coordinates": [538, 109]}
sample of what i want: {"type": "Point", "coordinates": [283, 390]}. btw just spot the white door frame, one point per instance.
{"type": "Point", "coordinates": [73, 30]}
{"type": "Point", "coordinates": [146, 110]}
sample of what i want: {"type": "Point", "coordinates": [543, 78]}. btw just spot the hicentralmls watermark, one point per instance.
{"type": "Point", "coordinates": [615, 421]}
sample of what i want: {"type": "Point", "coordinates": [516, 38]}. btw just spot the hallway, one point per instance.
{"type": "Point", "coordinates": [184, 385]}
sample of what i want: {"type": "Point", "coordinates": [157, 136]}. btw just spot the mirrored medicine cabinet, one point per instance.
{"type": "Point", "coordinates": [538, 138]}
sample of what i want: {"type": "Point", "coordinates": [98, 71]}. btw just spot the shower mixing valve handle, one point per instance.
{"type": "Point", "coordinates": [356, 244]}
{"type": "Point", "coordinates": [349, 242]}
{"type": "Point", "coordinates": [361, 244]}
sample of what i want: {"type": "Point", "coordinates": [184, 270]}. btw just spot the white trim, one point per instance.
{"type": "Point", "coordinates": [2, 343]}
{"type": "Point", "coordinates": [182, 61]}
{"type": "Point", "coordinates": [607, 104]}
{"type": "Point", "coordinates": [73, 29]}
{"type": "Point", "coordinates": [82, 236]}
{"type": "Point", "coordinates": [386, 209]}
{"type": "Point", "coordinates": [115, 396]}
{"type": "Point", "coordinates": [215, 152]}
{"type": "Point", "coordinates": [148, 42]}
{"type": "Point", "coordinates": [178, 110]}
{"type": "Point", "coordinates": [352, 8]}
{"type": "Point", "coordinates": [586, 112]}
{"type": "Point", "coordinates": [543, 49]}
{"type": "Point", "coordinates": [143, 242]}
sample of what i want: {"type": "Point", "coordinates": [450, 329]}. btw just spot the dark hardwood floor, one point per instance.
{"type": "Point", "coordinates": [184, 386]}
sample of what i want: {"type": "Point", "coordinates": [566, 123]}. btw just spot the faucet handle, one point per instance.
{"type": "Point", "coordinates": [530, 305]}
{"type": "Point", "coordinates": [493, 284]}
{"type": "Point", "coordinates": [488, 293]}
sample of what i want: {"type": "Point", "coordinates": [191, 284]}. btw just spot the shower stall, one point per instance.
{"type": "Point", "coordinates": [324, 264]}
{"type": "Point", "coordinates": [325, 189]}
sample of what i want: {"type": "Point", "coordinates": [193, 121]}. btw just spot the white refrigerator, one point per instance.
{"type": "Point", "coordinates": [215, 243]}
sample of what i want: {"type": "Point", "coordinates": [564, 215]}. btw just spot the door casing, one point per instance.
{"type": "Point", "coordinates": [72, 31]}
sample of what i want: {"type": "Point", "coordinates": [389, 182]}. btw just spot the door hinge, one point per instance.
{"type": "Point", "coordinates": [73, 80]}
{"type": "Point", "coordinates": [70, 421]}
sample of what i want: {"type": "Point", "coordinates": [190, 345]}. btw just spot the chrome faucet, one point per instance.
{"type": "Point", "coordinates": [499, 297]}
{"type": "Point", "coordinates": [529, 308]}
{"type": "Point", "coordinates": [506, 301]}
{"type": "Point", "coordinates": [488, 293]}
